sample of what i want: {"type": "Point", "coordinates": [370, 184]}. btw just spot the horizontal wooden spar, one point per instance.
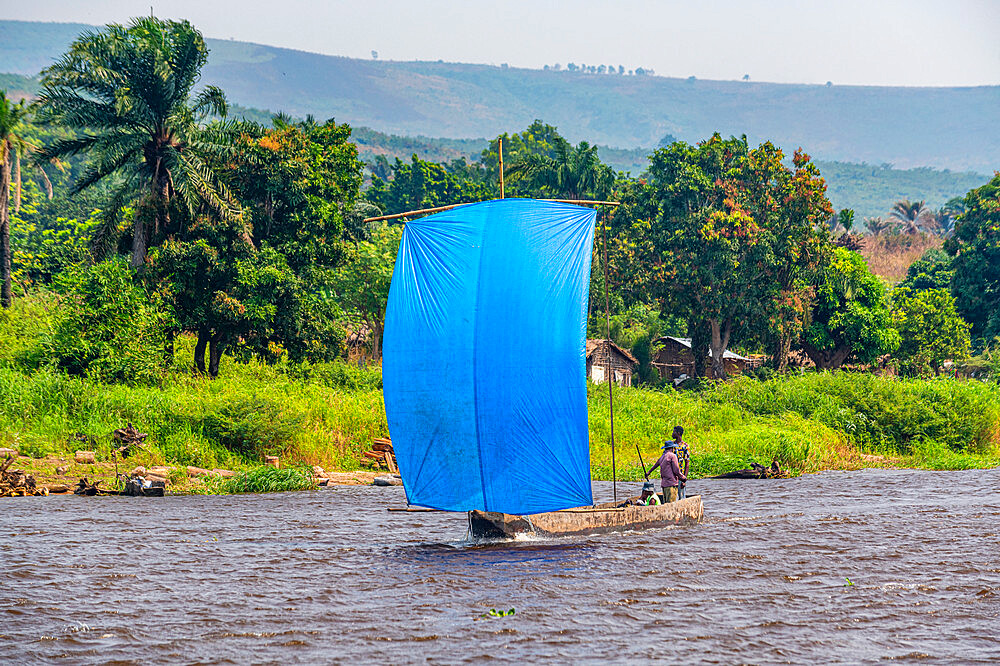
{"type": "Point", "coordinates": [438, 209]}
{"type": "Point", "coordinates": [411, 509]}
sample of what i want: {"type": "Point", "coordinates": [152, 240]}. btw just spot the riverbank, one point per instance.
{"type": "Point", "coordinates": [61, 473]}
{"type": "Point", "coordinates": [327, 415]}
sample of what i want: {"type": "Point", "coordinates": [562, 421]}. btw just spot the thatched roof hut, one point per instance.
{"type": "Point", "coordinates": [622, 363]}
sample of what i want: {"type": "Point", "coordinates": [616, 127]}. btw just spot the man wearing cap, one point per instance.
{"type": "Point", "coordinates": [670, 471]}
{"type": "Point", "coordinates": [647, 498]}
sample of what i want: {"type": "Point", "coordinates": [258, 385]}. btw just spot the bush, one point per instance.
{"type": "Point", "coordinates": [252, 426]}
{"type": "Point", "coordinates": [338, 374]}
{"type": "Point", "coordinates": [264, 479]}
{"type": "Point", "coordinates": [877, 412]}
{"type": "Point", "coordinates": [107, 328]}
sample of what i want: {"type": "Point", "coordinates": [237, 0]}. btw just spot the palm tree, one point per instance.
{"type": "Point", "coordinates": [913, 216]}
{"type": "Point", "coordinates": [127, 91]}
{"type": "Point", "coordinates": [877, 225]}
{"type": "Point", "coordinates": [11, 149]}
{"type": "Point", "coordinates": [948, 215]}
{"type": "Point", "coordinates": [571, 173]}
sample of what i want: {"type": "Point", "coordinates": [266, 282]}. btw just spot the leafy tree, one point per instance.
{"type": "Point", "coordinates": [844, 219]}
{"type": "Point", "coordinates": [254, 285]}
{"type": "Point", "coordinates": [933, 270]}
{"type": "Point", "coordinates": [361, 283]}
{"type": "Point", "coordinates": [930, 328]}
{"type": "Point", "coordinates": [948, 214]}
{"type": "Point", "coordinates": [127, 91]}
{"type": "Point", "coordinates": [421, 184]}
{"type": "Point", "coordinates": [572, 173]}
{"type": "Point", "coordinates": [109, 327]}
{"type": "Point", "coordinates": [40, 254]}
{"type": "Point", "coordinates": [975, 247]}
{"type": "Point", "coordinates": [11, 148]}
{"type": "Point", "coordinates": [540, 163]}
{"type": "Point", "coordinates": [295, 183]}
{"type": "Point", "coordinates": [850, 317]}
{"type": "Point", "coordinates": [538, 139]}
{"type": "Point", "coordinates": [731, 238]}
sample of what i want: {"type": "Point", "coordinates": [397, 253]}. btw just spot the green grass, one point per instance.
{"type": "Point", "coordinates": [265, 479]}
{"type": "Point", "coordinates": [806, 422]}
{"type": "Point", "coordinates": [327, 414]}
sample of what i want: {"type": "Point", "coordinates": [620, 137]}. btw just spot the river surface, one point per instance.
{"type": "Point", "coordinates": [329, 576]}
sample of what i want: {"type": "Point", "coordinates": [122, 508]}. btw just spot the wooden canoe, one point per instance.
{"type": "Point", "coordinates": [585, 520]}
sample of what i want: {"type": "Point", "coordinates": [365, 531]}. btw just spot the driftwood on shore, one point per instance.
{"type": "Point", "coordinates": [129, 440]}
{"type": "Point", "coordinates": [15, 483]}
{"type": "Point", "coordinates": [87, 487]}
{"type": "Point", "coordinates": [756, 471]}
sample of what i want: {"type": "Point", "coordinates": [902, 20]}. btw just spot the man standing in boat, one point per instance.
{"type": "Point", "coordinates": [670, 471]}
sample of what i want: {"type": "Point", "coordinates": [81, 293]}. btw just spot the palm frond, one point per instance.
{"type": "Point", "coordinates": [211, 100]}
{"type": "Point", "coordinates": [109, 230]}
{"type": "Point", "coordinates": [197, 183]}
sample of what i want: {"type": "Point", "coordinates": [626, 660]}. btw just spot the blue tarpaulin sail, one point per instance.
{"type": "Point", "coordinates": [483, 357]}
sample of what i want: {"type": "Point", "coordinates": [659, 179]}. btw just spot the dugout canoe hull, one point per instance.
{"type": "Point", "coordinates": [585, 520]}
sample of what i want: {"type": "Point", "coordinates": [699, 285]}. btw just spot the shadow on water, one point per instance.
{"type": "Point", "coordinates": [534, 557]}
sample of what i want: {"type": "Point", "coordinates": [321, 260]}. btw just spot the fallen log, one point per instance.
{"type": "Point", "coordinates": [85, 457]}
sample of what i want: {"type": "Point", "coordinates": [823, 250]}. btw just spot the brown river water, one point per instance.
{"type": "Point", "coordinates": [330, 576]}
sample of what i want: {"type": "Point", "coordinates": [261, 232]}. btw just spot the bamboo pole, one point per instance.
{"type": "Point", "coordinates": [611, 372]}
{"type": "Point", "coordinates": [438, 209]}
{"type": "Point", "coordinates": [501, 167]}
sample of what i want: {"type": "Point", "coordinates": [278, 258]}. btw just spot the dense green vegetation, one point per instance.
{"type": "Point", "coordinates": [806, 422]}
{"type": "Point", "coordinates": [327, 414]}
{"type": "Point", "coordinates": [263, 479]}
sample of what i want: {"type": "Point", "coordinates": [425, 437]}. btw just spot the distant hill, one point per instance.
{"type": "Point", "coordinates": [870, 190]}
{"type": "Point", "coordinates": [954, 128]}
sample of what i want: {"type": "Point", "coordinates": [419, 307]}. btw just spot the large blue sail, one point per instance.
{"type": "Point", "coordinates": [483, 357]}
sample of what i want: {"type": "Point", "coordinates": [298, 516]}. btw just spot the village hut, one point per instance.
{"type": "Point", "coordinates": [623, 364]}
{"type": "Point", "coordinates": [674, 358]}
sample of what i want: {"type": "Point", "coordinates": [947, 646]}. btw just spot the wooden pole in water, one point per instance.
{"type": "Point", "coordinates": [500, 145]}
{"type": "Point", "coordinates": [611, 372]}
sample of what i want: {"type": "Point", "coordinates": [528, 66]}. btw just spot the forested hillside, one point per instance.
{"type": "Point", "coordinates": [868, 189]}
{"type": "Point", "coordinates": [954, 128]}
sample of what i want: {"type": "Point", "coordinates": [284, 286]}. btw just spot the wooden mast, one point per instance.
{"type": "Point", "coordinates": [500, 145]}
{"type": "Point", "coordinates": [610, 369]}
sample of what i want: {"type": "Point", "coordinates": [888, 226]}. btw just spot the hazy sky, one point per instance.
{"type": "Point", "coordinates": [916, 42]}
